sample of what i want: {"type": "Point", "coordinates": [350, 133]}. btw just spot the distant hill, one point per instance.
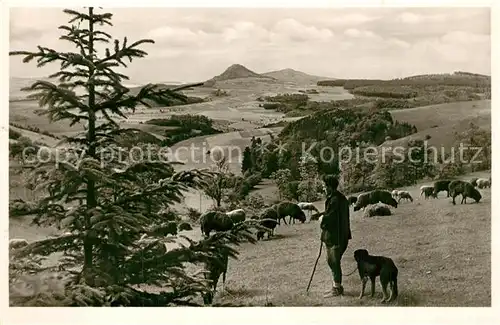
{"type": "Point", "coordinates": [17, 83]}
{"type": "Point", "coordinates": [236, 71]}
{"type": "Point", "coordinates": [454, 75]}
{"type": "Point", "coordinates": [292, 75]}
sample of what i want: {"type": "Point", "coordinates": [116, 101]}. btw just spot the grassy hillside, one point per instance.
{"type": "Point", "coordinates": [419, 90]}
{"type": "Point", "coordinates": [442, 114]}
{"type": "Point", "coordinates": [436, 246]}
{"type": "Point", "coordinates": [441, 122]}
{"type": "Point", "coordinates": [294, 76]}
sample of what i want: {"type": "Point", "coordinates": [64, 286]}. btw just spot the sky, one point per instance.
{"type": "Point", "coordinates": [194, 44]}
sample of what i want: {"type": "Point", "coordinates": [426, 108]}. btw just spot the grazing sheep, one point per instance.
{"type": "Point", "coordinates": [373, 197]}
{"type": "Point", "coordinates": [215, 269]}
{"type": "Point", "coordinates": [405, 195]}
{"type": "Point", "coordinates": [286, 208]}
{"type": "Point", "coordinates": [185, 226]}
{"type": "Point", "coordinates": [377, 209]}
{"type": "Point", "coordinates": [428, 191]}
{"type": "Point", "coordinates": [16, 243]}
{"type": "Point", "coordinates": [473, 181]}
{"type": "Point", "coordinates": [466, 189]}
{"type": "Point", "coordinates": [483, 183]}
{"type": "Point", "coordinates": [440, 186]}
{"type": "Point", "coordinates": [271, 220]}
{"type": "Point", "coordinates": [352, 199]}
{"type": "Point", "coordinates": [306, 206]}
{"type": "Point", "coordinates": [395, 194]}
{"type": "Point", "coordinates": [215, 221]}
{"type": "Point", "coordinates": [237, 215]}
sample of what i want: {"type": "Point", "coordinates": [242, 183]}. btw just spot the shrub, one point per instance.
{"type": "Point", "coordinates": [220, 93]}
{"type": "Point", "coordinates": [186, 121]}
{"type": "Point", "coordinates": [25, 140]}
{"type": "Point", "coordinates": [254, 179]}
{"type": "Point", "coordinates": [255, 201]}
{"type": "Point", "coordinates": [272, 106]}
{"type": "Point", "coordinates": [19, 207]}
{"type": "Point", "coordinates": [13, 134]}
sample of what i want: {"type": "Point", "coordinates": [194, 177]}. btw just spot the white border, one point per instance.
{"type": "Point", "coordinates": [255, 315]}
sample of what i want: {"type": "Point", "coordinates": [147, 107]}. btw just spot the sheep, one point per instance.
{"type": "Point", "coordinates": [16, 243]}
{"type": "Point", "coordinates": [473, 181]}
{"type": "Point", "coordinates": [395, 194]}
{"type": "Point", "coordinates": [286, 208]}
{"type": "Point", "coordinates": [483, 183]}
{"type": "Point", "coordinates": [269, 219]}
{"type": "Point", "coordinates": [373, 197]}
{"type": "Point", "coordinates": [405, 195]}
{"type": "Point", "coordinates": [352, 199]}
{"type": "Point", "coordinates": [216, 221]}
{"type": "Point", "coordinates": [424, 187]}
{"type": "Point", "coordinates": [184, 226]}
{"type": "Point", "coordinates": [466, 189]}
{"type": "Point", "coordinates": [306, 206]}
{"type": "Point", "coordinates": [428, 191]}
{"type": "Point", "coordinates": [377, 209]}
{"type": "Point", "coordinates": [440, 186]}
{"type": "Point", "coordinates": [237, 215]}
{"type": "Point", "coordinates": [216, 268]}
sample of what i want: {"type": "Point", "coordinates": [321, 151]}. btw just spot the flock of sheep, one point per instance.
{"type": "Point", "coordinates": [453, 189]}
{"type": "Point", "coordinates": [377, 201]}
{"type": "Point", "coordinates": [457, 187]}
{"type": "Point", "coordinates": [269, 218]}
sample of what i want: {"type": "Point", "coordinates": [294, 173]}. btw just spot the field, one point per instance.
{"type": "Point", "coordinates": [443, 253]}
{"type": "Point", "coordinates": [439, 249]}
{"type": "Point", "coordinates": [443, 120]}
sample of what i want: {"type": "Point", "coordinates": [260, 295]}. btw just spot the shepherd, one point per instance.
{"type": "Point", "coordinates": [335, 233]}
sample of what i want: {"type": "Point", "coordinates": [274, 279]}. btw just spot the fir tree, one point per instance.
{"type": "Point", "coordinates": [107, 205]}
{"type": "Point", "coordinates": [246, 163]}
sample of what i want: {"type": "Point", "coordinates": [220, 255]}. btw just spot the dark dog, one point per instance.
{"type": "Point", "coordinates": [369, 267]}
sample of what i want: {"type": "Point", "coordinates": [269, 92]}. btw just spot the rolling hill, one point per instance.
{"type": "Point", "coordinates": [291, 75]}
{"type": "Point", "coordinates": [235, 71]}
{"type": "Point", "coordinates": [441, 121]}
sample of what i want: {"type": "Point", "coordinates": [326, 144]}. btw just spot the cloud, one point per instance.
{"type": "Point", "coordinates": [462, 37]}
{"type": "Point", "coordinates": [399, 43]}
{"type": "Point", "coordinates": [297, 31]}
{"type": "Point", "coordinates": [357, 33]}
{"type": "Point", "coordinates": [414, 18]}
{"type": "Point", "coordinates": [177, 36]}
{"type": "Point", "coordinates": [24, 33]}
{"type": "Point", "coordinates": [245, 30]}
{"type": "Point", "coordinates": [354, 19]}
{"type": "Point", "coordinates": [196, 44]}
